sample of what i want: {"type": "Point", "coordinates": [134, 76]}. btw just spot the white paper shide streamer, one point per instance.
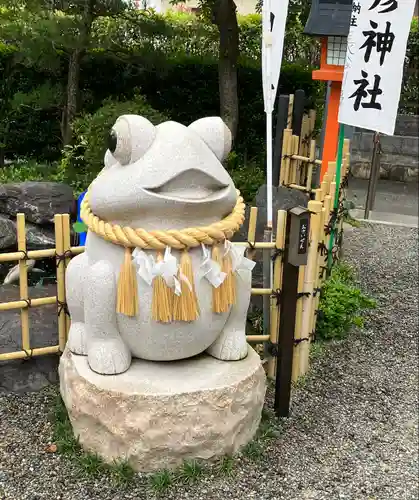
{"type": "Point", "coordinates": [168, 269]}
{"type": "Point", "coordinates": [210, 269]}
{"type": "Point", "coordinates": [238, 260]}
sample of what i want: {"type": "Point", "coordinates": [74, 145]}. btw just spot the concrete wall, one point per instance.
{"type": "Point", "coordinates": [400, 153]}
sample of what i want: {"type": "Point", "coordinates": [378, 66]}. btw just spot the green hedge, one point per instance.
{"type": "Point", "coordinates": [171, 60]}
{"type": "Point", "coordinates": [184, 89]}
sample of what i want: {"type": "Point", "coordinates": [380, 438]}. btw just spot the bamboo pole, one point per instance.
{"type": "Point", "coordinates": [58, 219]}
{"type": "Point", "coordinates": [257, 339]}
{"type": "Point", "coordinates": [277, 286]}
{"type": "Point", "coordinates": [315, 208]}
{"type": "Point", "coordinates": [66, 249]}
{"type": "Point", "coordinates": [304, 158]}
{"type": "Point", "coordinates": [298, 322]}
{"type": "Point", "coordinates": [283, 176]}
{"type": "Point", "coordinates": [36, 254]}
{"type": "Point", "coordinates": [332, 193]}
{"type": "Point", "coordinates": [303, 149]}
{"type": "Point", "coordinates": [294, 162]}
{"type": "Point", "coordinates": [261, 291]}
{"type": "Point", "coordinates": [327, 206]}
{"type": "Point", "coordinates": [312, 117]}
{"type": "Point", "coordinates": [324, 188]}
{"type": "Point", "coordinates": [290, 110]}
{"type": "Point", "coordinates": [38, 351]}
{"type": "Point", "coordinates": [331, 171]}
{"type": "Point", "coordinates": [346, 146]}
{"type": "Point", "coordinates": [251, 233]}
{"type": "Point", "coordinates": [262, 245]}
{"type": "Point", "coordinates": [23, 281]}
{"type": "Point", "coordinates": [318, 280]}
{"type": "Point", "coordinates": [288, 152]}
{"type": "Point", "coordinates": [300, 188]}
{"type": "Point", "coordinates": [19, 304]}
{"type": "Point", "coordinates": [311, 164]}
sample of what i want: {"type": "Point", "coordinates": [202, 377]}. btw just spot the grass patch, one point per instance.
{"type": "Point", "coordinates": [347, 217]}
{"type": "Point", "coordinates": [90, 464]}
{"type": "Point", "coordinates": [63, 436]}
{"type": "Point", "coordinates": [253, 450]}
{"type": "Point", "coordinates": [121, 472]}
{"type": "Point", "coordinates": [226, 466]}
{"type": "Point", "coordinates": [269, 429]}
{"type": "Point", "coordinates": [190, 472]}
{"type": "Point", "coordinates": [316, 349]}
{"type": "Point", "coordinates": [161, 481]}
{"type": "Point", "coordinates": [342, 304]}
{"type": "Point", "coordinates": [301, 381]}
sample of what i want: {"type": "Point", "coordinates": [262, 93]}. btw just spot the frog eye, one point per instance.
{"type": "Point", "coordinates": [130, 138]}
{"type": "Point", "coordinates": [112, 141]}
{"type": "Point", "coordinates": [215, 133]}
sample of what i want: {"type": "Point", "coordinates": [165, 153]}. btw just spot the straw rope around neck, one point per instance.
{"type": "Point", "coordinates": [158, 240]}
{"type": "Point", "coordinates": [165, 306]}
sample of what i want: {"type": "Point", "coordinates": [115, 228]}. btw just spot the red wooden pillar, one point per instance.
{"type": "Point", "coordinates": [333, 73]}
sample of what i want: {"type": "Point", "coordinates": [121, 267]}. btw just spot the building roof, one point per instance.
{"type": "Point", "coordinates": [329, 17]}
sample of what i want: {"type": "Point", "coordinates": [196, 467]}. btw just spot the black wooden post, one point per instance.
{"type": "Point", "coordinates": [281, 125]}
{"type": "Point", "coordinates": [374, 176]}
{"type": "Point", "coordinates": [298, 111]}
{"type": "Point", "coordinates": [286, 331]}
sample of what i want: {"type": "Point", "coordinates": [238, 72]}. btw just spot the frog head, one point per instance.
{"type": "Point", "coordinates": [168, 176]}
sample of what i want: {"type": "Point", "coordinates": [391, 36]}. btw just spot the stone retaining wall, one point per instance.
{"type": "Point", "coordinates": [399, 159]}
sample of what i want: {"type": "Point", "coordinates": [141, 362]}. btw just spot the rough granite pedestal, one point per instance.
{"type": "Point", "coordinates": [158, 414]}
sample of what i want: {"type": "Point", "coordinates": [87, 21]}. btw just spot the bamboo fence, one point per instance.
{"type": "Point", "coordinates": [63, 253]}
{"type": "Point", "coordinates": [298, 163]}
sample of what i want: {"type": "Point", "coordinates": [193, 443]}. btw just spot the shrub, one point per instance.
{"type": "Point", "coordinates": [173, 59]}
{"type": "Point", "coordinates": [248, 176]}
{"type": "Point", "coordinates": [83, 160]}
{"type": "Point", "coordinates": [409, 98]}
{"type": "Point", "coordinates": [30, 170]}
{"type": "Point", "coordinates": [341, 304]}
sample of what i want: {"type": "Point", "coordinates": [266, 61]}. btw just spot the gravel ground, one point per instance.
{"type": "Point", "coordinates": [353, 433]}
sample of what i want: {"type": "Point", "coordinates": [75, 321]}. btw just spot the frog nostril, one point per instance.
{"type": "Point", "coordinates": [112, 141]}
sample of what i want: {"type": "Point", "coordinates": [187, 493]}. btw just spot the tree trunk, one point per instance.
{"type": "Point", "coordinates": [73, 79]}
{"type": "Point", "coordinates": [2, 158]}
{"type": "Point", "coordinates": [225, 17]}
{"type": "Point", "coordinates": [71, 106]}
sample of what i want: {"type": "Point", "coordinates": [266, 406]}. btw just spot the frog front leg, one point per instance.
{"type": "Point", "coordinates": [76, 273]}
{"type": "Point", "coordinates": [106, 351]}
{"type": "Point", "coordinates": [231, 345]}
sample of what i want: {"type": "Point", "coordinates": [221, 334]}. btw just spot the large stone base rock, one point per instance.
{"type": "Point", "coordinates": [156, 415]}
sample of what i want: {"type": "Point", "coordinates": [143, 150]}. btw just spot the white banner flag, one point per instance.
{"type": "Point", "coordinates": [374, 63]}
{"type": "Point", "coordinates": [274, 17]}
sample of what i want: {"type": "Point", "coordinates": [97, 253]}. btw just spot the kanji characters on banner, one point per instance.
{"type": "Point", "coordinates": [373, 74]}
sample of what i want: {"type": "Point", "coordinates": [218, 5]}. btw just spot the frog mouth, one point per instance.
{"type": "Point", "coordinates": [192, 186]}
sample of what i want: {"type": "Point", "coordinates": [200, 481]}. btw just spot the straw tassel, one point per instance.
{"type": "Point", "coordinates": [127, 296]}
{"type": "Point", "coordinates": [162, 303]}
{"type": "Point", "coordinates": [219, 297]}
{"type": "Point", "coordinates": [230, 280]}
{"type": "Point", "coordinates": [185, 307]}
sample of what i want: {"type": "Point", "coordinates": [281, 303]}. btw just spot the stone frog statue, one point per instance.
{"type": "Point", "coordinates": [158, 178]}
